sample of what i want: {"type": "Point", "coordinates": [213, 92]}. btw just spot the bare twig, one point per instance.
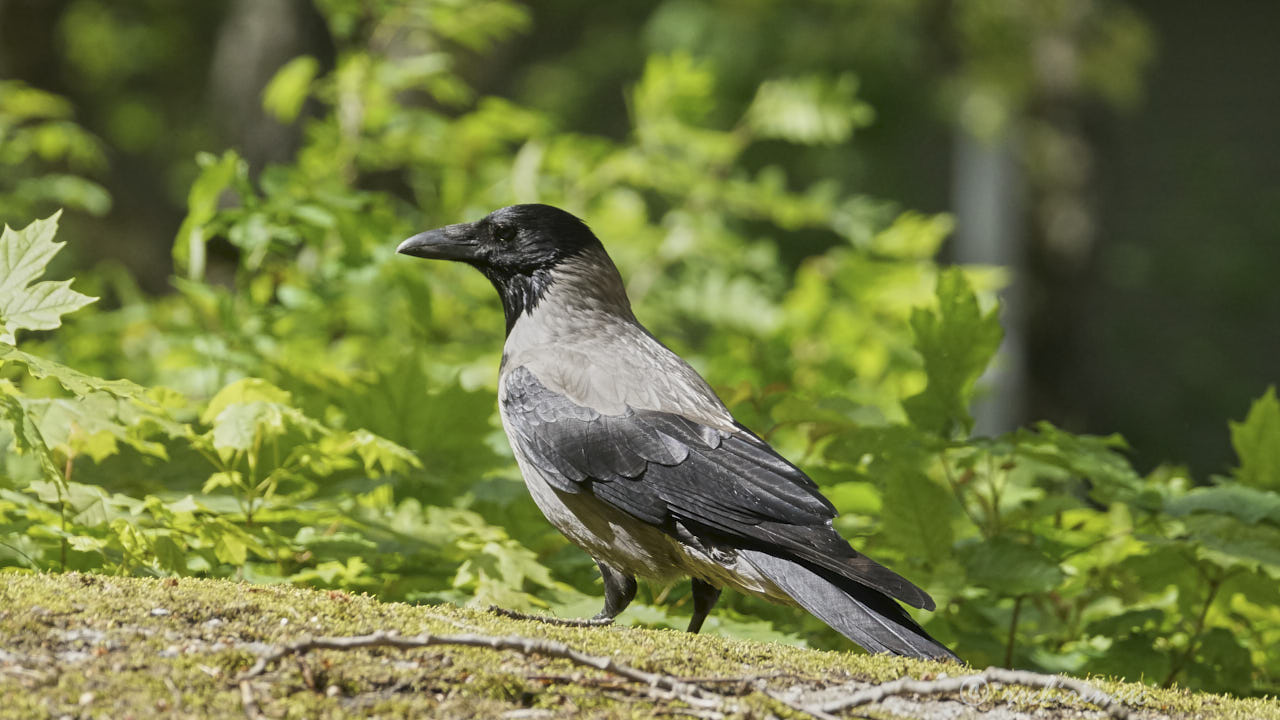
{"type": "Point", "coordinates": [676, 688]}
{"type": "Point", "coordinates": [818, 713]}
{"type": "Point", "coordinates": [248, 702]}
{"type": "Point", "coordinates": [34, 676]}
{"type": "Point", "coordinates": [703, 702]}
{"type": "Point", "coordinates": [993, 675]}
{"type": "Point", "coordinates": [549, 620]}
{"type": "Point", "coordinates": [308, 677]}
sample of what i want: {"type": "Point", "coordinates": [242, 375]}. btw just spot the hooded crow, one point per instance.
{"type": "Point", "coordinates": [630, 453]}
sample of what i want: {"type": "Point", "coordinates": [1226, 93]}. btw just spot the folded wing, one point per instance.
{"type": "Point", "coordinates": [662, 468]}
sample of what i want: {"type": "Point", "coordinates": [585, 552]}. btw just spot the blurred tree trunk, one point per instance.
{"type": "Point", "coordinates": [255, 40]}
{"type": "Point", "coordinates": [1022, 171]}
{"type": "Point", "coordinates": [988, 205]}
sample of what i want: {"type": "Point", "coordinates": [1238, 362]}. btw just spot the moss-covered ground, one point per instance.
{"type": "Point", "coordinates": [91, 646]}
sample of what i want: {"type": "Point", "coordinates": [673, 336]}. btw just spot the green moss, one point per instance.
{"type": "Point", "coordinates": [97, 646]}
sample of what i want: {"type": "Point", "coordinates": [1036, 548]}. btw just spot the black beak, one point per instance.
{"type": "Point", "coordinates": [452, 242]}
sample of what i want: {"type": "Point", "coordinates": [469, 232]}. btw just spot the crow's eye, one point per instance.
{"type": "Point", "coordinates": [504, 233]}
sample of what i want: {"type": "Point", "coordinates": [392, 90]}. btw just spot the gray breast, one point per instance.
{"type": "Point", "coordinates": [606, 533]}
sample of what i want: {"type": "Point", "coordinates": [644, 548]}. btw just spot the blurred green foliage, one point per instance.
{"type": "Point", "coordinates": [318, 410]}
{"type": "Point", "coordinates": [44, 156]}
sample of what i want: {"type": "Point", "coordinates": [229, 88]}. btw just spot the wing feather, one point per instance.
{"type": "Point", "coordinates": [663, 468]}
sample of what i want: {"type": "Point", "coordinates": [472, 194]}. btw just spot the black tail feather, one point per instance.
{"type": "Point", "coordinates": [865, 616]}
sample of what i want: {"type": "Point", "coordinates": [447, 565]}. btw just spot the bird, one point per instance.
{"type": "Point", "coordinates": [630, 454]}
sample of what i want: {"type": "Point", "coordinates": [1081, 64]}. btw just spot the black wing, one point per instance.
{"type": "Point", "coordinates": [663, 468]}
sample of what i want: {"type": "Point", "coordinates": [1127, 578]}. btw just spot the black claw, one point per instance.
{"type": "Point", "coordinates": [704, 598]}
{"type": "Point", "coordinates": [619, 591]}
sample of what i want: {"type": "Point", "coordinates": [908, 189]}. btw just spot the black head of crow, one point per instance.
{"type": "Point", "coordinates": [631, 455]}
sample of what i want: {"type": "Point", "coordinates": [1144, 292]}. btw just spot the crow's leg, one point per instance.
{"type": "Point", "coordinates": [619, 591]}
{"type": "Point", "coordinates": [704, 598]}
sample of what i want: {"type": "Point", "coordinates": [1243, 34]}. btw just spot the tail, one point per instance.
{"type": "Point", "coordinates": [866, 616]}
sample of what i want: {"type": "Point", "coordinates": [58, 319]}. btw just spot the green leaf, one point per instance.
{"type": "Point", "coordinates": [68, 191]}
{"type": "Point", "coordinates": [1134, 657]}
{"type": "Point", "coordinates": [957, 341]}
{"type": "Point", "coordinates": [810, 110]}
{"type": "Point", "coordinates": [216, 175]}
{"type": "Point", "coordinates": [26, 434]}
{"type": "Point", "coordinates": [1248, 504]}
{"type": "Point", "coordinates": [1088, 456]}
{"type": "Point", "coordinates": [378, 452]}
{"type": "Point", "coordinates": [1228, 542]}
{"type": "Point", "coordinates": [87, 505]}
{"type": "Point", "coordinates": [1127, 623]}
{"type": "Point", "coordinates": [286, 92]}
{"type": "Point", "coordinates": [917, 513]}
{"type": "Point", "coordinates": [244, 390]}
{"type": "Point", "coordinates": [1011, 568]}
{"type": "Point", "coordinates": [231, 548]}
{"type": "Point", "coordinates": [913, 236]}
{"type": "Point", "coordinates": [251, 410]}
{"type": "Point", "coordinates": [23, 305]}
{"type": "Point", "coordinates": [217, 480]}
{"type": "Point", "coordinates": [94, 423]}
{"type": "Point", "coordinates": [241, 425]}
{"type": "Point", "coordinates": [1257, 443]}
{"type": "Point", "coordinates": [76, 382]}
{"type": "Point", "coordinates": [854, 496]}
{"type": "Point", "coordinates": [1222, 664]}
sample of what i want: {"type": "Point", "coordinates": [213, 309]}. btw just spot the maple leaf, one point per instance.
{"type": "Point", "coordinates": [25, 304]}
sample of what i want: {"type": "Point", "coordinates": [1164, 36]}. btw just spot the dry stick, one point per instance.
{"type": "Point", "coordinates": [814, 712]}
{"type": "Point", "coordinates": [248, 702]}
{"type": "Point", "coordinates": [691, 694]}
{"type": "Point", "coordinates": [911, 686]}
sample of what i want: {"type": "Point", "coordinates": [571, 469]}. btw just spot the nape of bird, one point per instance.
{"type": "Point", "coordinates": [632, 455]}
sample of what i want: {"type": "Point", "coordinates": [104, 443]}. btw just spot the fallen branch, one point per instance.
{"type": "Point", "coordinates": [992, 675]}
{"type": "Point", "coordinates": [692, 695]}
{"type": "Point", "coordinates": [818, 713]}
{"type": "Point", "coordinates": [706, 703]}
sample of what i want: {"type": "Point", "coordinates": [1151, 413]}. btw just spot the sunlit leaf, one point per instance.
{"type": "Point", "coordinates": [216, 176]}
{"type": "Point", "coordinates": [810, 110]}
{"type": "Point", "coordinates": [25, 303]}
{"type": "Point", "coordinates": [284, 95]}
{"type": "Point", "coordinates": [244, 390]}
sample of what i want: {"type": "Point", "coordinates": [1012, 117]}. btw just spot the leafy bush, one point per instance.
{"type": "Point", "coordinates": [43, 155]}
{"type": "Point", "coordinates": [307, 407]}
